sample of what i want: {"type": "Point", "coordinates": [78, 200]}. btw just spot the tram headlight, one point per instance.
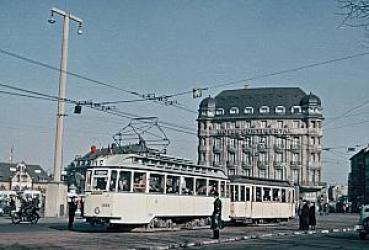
{"type": "Point", "coordinates": [97, 210]}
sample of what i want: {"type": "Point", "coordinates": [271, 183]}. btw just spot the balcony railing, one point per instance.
{"type": "Point", "coordinates": [295, 147]}
{"type": "Point", "coordinates": [231, 148]}
{"type": "Point", "coordinates": [231, 164]}
{"type": "Point", "coordinates": [217, 149]}
{"type": "Point", "coordinates": [262, 147]}
{"type": "Point", "coordinates": [246, 165]}
{"type": "Point", "coordinates": [262, 164]}
{"type": "Point", "coordinates": [279, 147]}
{"type": "Point", "coordinates": [246, 148]}
{"type": "Point", "coordinates": [295, 163]}
{"type": "Point", "coordinates": [279, 164]}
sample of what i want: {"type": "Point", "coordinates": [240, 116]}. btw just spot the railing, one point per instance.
{"type": "Point", "coordinates": [279, 147]}
{"type": "Point", "coordinates": [262, 164]}
{"type": "Point", "coordinates": [295, 163]}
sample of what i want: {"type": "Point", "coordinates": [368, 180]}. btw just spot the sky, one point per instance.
{"type": "Point", "coordinates": [167, 47]}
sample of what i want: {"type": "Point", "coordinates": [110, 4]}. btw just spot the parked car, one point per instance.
{"type": "Point", "coordinates": [363, 227]}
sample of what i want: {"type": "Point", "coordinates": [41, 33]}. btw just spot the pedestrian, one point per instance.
{"type": "Point", "coordinates": [72, 211]}
{"type": "Point", "coordinates": [12, 205]}
{"type": "Point", "coordinates": [305, 216]}
{"type": "Point", "coordinates": [326, 209]}
{"type": "Point", "coordinates": [82, 206]}
{"type": "Point", "coordinates": [312, 217]}
{"type": "Point", "coordinates": [299, 212]}
{"type": "Point", "coordinates": [217, 216]}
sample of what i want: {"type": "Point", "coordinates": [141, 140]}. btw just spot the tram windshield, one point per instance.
{"type": "Point", "coordinates": [100, 180]}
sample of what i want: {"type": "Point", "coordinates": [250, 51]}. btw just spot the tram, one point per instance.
{"type": "Point", "coordinates": [256, 200]}
{"type": "Point", "coordinates": [161, 191]}
{"type": "Point", "coordinates": [153, 190]}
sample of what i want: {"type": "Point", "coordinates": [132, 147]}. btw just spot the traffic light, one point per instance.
{"type": "Point", "coordinates": [78, 109]}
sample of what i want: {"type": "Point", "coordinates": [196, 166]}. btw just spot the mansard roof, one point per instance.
{"type": "Point", "coordinates": [272, 97]}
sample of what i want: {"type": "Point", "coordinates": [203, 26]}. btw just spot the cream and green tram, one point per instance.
{"type": "Point", "coordinates": [257, 200]}
{"type": "Point", "coordinates": [156, 191]}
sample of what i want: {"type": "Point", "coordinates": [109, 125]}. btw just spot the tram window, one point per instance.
{"type": "Point", "coordinates": [113, 181]}
{"type": "Point", "coordinates": [248, 194]}
{"type": "Point", "coordinates": [187, 185]}
{"type": "Point", "coordinates": [266, 196]}
{"type": "Point", "coordinates": [236, 193]}
{"type": "Point", "coordinates": [172, 184]}
{"type": "Point", "coordinates": [232, 191]}
{"type": "Point", "coordinates": [99, 182]}
{"type": "Point", "coordinates": [283, 195]}
{"type": "Point", "coordinates": [213, 187]}
{"type": "Point", "coordinates": [222, 189]}
{"type": "Point", "coordinates": [156, 183]}
{"type": "Point", "coordinates": [242, 198]}
{"type": "Point", "coordinates": [276, 194]}
{"type": "Point", "coordinates": [258, 194]}
{"type": "Point", "coordinates": [88, 180]}
{"type": "Point", "coordinates": [228, 191]}
{"type": "Point", "coordinates": [139, 182]}
{"type": "Point", "coordinates": [124, 182]}
{"type": "Point", "coordinates": [200, 186]}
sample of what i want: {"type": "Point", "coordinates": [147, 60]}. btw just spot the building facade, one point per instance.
{"type": "Point", "coordinates": [358, 182]}
{"type": "Point", "coordinates": [22, 176]}
{"type": "Point", "coordinates": [272, 133]}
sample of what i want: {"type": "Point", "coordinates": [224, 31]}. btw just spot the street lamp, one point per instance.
{"type": "Point", "coordinates": [62, 79]}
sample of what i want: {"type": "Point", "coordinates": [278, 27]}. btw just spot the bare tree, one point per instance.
{"type": "Point", "coordinates": [356, 13]}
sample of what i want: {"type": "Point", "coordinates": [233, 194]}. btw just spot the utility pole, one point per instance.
{"type": "Point", "coordinates": [56, 193]}
{"type": "Point", "coordinates": [58, 155]}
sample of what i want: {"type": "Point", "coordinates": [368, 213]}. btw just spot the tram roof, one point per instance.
{"type": "Point", "coordinates": [153, 161]}
{"type": "Point", "coordinates": [259, 181]}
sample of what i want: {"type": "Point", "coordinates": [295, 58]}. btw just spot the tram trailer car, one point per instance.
{"type": "Point", "coordinates": [257, 200]}
{"type": "Point", "coordinates": [133, 190]}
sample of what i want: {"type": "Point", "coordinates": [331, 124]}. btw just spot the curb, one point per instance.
{"type": "Point", "coordinates": [245, 237]}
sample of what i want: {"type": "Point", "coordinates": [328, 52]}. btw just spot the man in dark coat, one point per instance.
{"type": "Point", "coordinates": [305, 216]}
{"type": "Point", "coordinates": [312, 217]}
{"type": "Point", "coordinates": [72, 211]}
{"type": "Point", "coordinates": [217, 216]}
{"type": "Point", "coordinates": [299, 212]}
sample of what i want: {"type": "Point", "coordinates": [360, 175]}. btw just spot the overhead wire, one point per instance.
{"type": "Point", "coordinates": [47, 97]}
{"type": "Point", "coordinates": [89, 79]}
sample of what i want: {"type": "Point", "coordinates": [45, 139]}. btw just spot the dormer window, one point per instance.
{"type": "Point", "coordinates": [249, 110]}
{"type": "Point", "coordinates": [219, 111]}
{"type": "Point", "coordinates": [296, 109]}
{"type": "Point", "coordinates": [264, 109]}
{"type": "Point", "coordinates": [280, 109]}
{"type": "Point", "coordinates": [234, 111]}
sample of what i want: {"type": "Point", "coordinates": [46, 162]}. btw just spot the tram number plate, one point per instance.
{"type": "Point", "coordinates": [107, 205]}
{"type": "Point", "coordinates": [96, 192]}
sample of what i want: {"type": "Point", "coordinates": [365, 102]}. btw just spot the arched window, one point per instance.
{"type": "Point", "coordinates": [234, 111]}
{"type": "Point", "coordinates": [249, 110]}
{"type": "Point", "coordinates": [280, 109]}
{"type": "Point", "coordinates": [296, 109]}
{"type": "Point", "coordinates": [264, 109]}
{"type": "Point", "coordinates": [219, 111]}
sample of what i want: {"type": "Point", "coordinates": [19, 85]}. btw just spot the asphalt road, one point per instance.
{"type": "Point", "coordinates": [53, 234]}
{"type": "Point", "coordinates": [349, 241]}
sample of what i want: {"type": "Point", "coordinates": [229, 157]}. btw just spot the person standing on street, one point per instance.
{"type": "Point", "coordinates": [217, 216]}
{"type": "Point", "coordinates": [299, 212]}
{"type": "Point", "coordinates": [72, 211]}
{"type": "Point", "coordinates": [312, 217]}
{"type": "Point", "coordinates": [305, 216]}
